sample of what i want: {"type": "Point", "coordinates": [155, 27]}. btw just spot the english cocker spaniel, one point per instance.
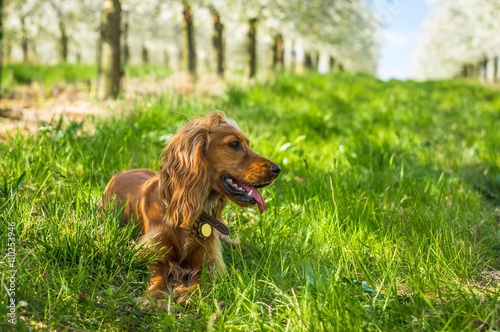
{"type": "Point", "coordinates": [179, 208]}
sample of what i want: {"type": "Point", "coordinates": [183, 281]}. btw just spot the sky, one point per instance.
{"type": "Point", "coordinates": [402, 23]}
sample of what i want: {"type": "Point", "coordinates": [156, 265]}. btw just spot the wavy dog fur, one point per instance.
{"type": "Point", "coordinates": [206, 162]}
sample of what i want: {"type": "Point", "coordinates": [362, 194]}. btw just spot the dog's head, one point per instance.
{"type": "Point", "coordinates": [209, 157]}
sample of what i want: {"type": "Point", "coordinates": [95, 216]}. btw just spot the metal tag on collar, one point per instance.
{"type": "Point", "coordinates": [205, 230]}
{"type": "Point", "coordinates": [218, 225]}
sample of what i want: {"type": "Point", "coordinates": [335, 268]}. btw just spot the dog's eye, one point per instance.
{"type": "Point", "coordinates": [234, 144]}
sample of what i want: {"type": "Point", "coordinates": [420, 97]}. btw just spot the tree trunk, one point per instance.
{"type": "Point", "coordinates": [332, 63]}
{"type": "Point", "coordinates": [495, 68]}
{"type": "Point", "coordinates": [189, 47]}
{"type": "Point", "coordinates": [24, 40]}
{"type": "Point", "coordinates": [126, 48]}
{"type": "Point", "coordinates": [308, 61]}
{"type": "Point", "coordinates": [278, 53]}
{"type": "Point", "coordinates": [145, 55]}
{"type": "Point", "coordinates": [63, 39]}
{"type": "Point", "coordinates": [218, 42]}
{"type": "Point", "coordinates": [463, 71]}
{"type": "Point", "coordinates": [110, 70]}
{"type": "Point", "coordinates": [252, 48]}
{"type": "Point", "coordinates": [63, 47]}
{"type": "Point", "coordinates": [469, 70]}
{"type": "Point", "coordinates": [1, 46]}
{"type": "Point", "coordinates": [293, 57]}
{"type": "Point", "coordinates": [485, 69]}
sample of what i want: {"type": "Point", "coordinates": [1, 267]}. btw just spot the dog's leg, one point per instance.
{"type": "Point", "coordinates": [158, 289]}
{"type": "Point", "coordinates": [157, 283]}
{"type": "Point", "coordinates": [183, 293]}
{"type": "Point", "coordinates": [157, 292]}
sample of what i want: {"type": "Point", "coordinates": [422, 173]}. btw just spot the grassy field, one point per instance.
{"type": "Point", "coordinates": [385, 218]}
{"type": "Point", "coordinates": [17, 74]}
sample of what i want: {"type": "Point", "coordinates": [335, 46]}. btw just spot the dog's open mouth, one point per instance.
{"type": "Point", "coordinates": [244, 192]}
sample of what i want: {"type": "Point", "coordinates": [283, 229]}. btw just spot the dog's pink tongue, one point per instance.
{"type": "Point", "coordinates": [257, 196]}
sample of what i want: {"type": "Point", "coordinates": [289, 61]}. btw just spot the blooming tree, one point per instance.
{"type": "Point", "coordinates": [260, 33]}
{"type": "Point", "coordinates": [461, 39]}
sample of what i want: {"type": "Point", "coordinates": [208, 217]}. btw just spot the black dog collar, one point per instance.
{"type": "Point", "coordinates": [206, 224]}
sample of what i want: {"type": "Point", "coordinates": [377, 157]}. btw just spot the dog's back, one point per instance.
{"type": "Point", "coordinates": [125, 190]}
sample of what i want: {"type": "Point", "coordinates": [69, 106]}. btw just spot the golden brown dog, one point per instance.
{"type": "Point", "coordinates": [179, 208]}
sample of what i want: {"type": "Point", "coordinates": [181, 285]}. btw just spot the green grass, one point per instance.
{"type": "Point", "coordinates": [17, 74]}
{"type": "Point", "coordinates": [385, 217]}
{"type": "Point", "coordinates": [148, 70]}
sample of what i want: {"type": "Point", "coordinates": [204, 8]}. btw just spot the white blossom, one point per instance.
{"type": "Point", "coordinates": [460, 32]}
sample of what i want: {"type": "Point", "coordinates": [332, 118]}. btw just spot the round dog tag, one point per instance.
{"type": "Point", "coordinates": [205, 230]}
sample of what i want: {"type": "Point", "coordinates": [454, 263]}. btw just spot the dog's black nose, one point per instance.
{"type": "Point", "coordinates": [275, 169]}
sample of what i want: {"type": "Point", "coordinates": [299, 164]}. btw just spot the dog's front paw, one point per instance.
{"type": "Point", "coordinates": [234, 243]}
{"type": "Point", "coordinates": [182, 294]}
{"type": "Point", "coordinates": [164, 304]}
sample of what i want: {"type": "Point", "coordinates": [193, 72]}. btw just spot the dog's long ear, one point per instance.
{"type": "Point", "coordinates": [184, 175]}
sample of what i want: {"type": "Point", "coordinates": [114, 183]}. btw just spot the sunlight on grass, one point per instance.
{"type": "Point", "coordinates": [385, 216]}
{"type": "Point", "coordinates": [15, 74]}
